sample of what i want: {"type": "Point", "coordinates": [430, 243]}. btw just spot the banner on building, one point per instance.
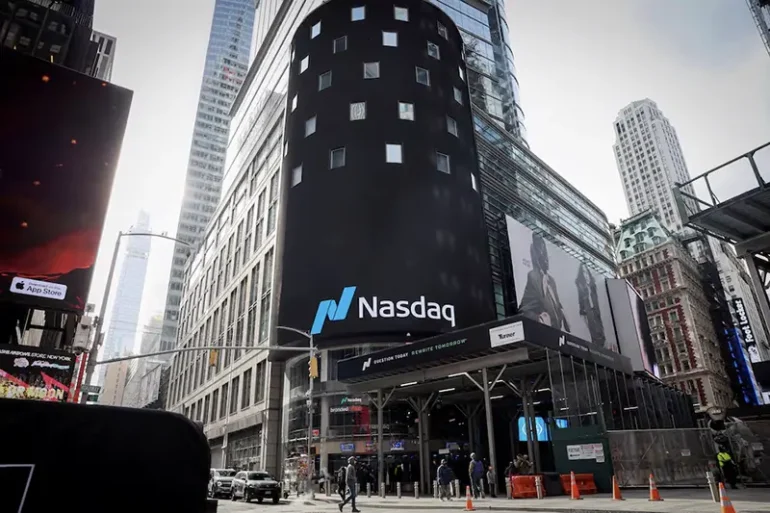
{"type": "Point", "coordinates": [747, 333]}
{"type": "Point", "coordinates": [34, 373]}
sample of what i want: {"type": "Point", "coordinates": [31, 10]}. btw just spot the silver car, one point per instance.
{"type": "Point", "coordinates": [254, 484]}
{"type": "Point", "coordinates": [220, 481]}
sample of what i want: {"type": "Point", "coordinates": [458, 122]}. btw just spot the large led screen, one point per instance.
{"type": "Point", "coordinates": [60, 140]}
{"type": "Point", "coordinates": [556, 289]}
{"type": "Point", "coordinates": [35, 373]}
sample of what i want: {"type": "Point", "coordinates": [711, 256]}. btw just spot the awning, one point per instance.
{"type": "Point", "coordinates": [516, 339]}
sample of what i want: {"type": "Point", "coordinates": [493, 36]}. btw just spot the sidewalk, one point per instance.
{"type": "Point", "coordinates": [674, 501]}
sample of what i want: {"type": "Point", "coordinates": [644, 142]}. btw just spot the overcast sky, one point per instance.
{"type": "Point", "coordinates": [579, 63]}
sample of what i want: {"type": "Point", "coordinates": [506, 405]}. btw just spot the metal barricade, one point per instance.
{"type": "Point", "coordinates": [676, 457]}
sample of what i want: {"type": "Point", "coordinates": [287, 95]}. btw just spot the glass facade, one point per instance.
{"type": "Point", "coordinates": [227, 60]}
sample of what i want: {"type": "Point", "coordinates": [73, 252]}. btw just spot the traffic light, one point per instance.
{"type": "Point", "coordinates": [213, 355]}
{"type": "Point", "coordinates": [312, 366]}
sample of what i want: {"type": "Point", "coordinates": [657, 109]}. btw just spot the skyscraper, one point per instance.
{"type": "Point", "coordinates": [105, 55]}
{"type": "Point", "coordinates": [650, 161]}
{"type": "Point", "coordinates": [227, 61]}
{"type": "Point", "coordinates": [235, 276]}
{"type": "Point", "coordinates": [123, 326]}
{"type": "Point", "coordinates": [760, 11]}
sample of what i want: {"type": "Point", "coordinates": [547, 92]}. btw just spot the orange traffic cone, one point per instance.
{"type": "Point", "coordinates": [724, 501]}
{"type": "Point", "coordinates": [574, 491]}
{"type": "Point", "coordinates": [616, 495]}
{"type": "Point", "coordinates": [468, 500]}
{"type": "Point", "coordinates": [654, 494]}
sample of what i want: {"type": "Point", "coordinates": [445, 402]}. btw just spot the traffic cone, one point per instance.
{"type": "Point", "coordinates": [616, 495]}
{"type": "Point", "coordinates": [654, 494]}
{"type": "Point", "coordinates": [574, 491]}
{"type": "Point", "coordinates": [725, 503]}
{"type": "Point", "coordinates": [468, 500]}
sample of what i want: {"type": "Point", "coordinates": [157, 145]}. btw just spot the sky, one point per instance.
{"type": "Point", "coordinates": [578, 64]}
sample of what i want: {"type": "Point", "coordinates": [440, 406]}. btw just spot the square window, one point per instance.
{"type": "Point", "coordinates": [357, 111]}
{"type": "Point", "coordinates": [315, 30]}
{"type": "Point", "coordinates": [324, 80]}
{"type": "Point", "coordinates": [393, 154]}
{"type": "Point", "coordinates": [442, 162]}
{"type": "Point", "coordinates": [462, 74]}
{"type": "Point", "coordinates": [433, 50]}
{"type": "Point", "coordinates": [451, 126]}
{"type": "Point", "coordinates": [442, 30]}
{"type": "Point", "coordinates": [406, 111]}
{"type": "Point", "coordinates": [310, 126]}
{"type": "Point", "coordinates": [340, 44]}
{"type": "Point", "coordinates": [337, 158]}
{"type": "Point", "coordinates": [296, 175]}
{"type": "Point", "coordinates": [294, 103]}
{"type": "Point", "coordinates": [358, 13]}
{"type": "Point", "coordinates": [401, 13]}
{"type": "Point", "coordinates": [458, 96]}
{"type": "Point", "coordinates": [304, 63]}
{"type": "Point", "coordinates": [422, 75]}
{"type": "Point", "coordinates": [473, 183]}
{"type": "Point", "coordinates": [389, 38]}
{"type": "Point", "coordinates": [371, 70]}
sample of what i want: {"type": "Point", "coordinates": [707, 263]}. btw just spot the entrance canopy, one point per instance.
{"type": "Point", "coordinates": [517, 341]}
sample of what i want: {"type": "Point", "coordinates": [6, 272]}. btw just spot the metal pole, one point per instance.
{"type": "Point", "coordinates": [380, 439]}
{"type": "Point", "coordinates": [490, 426]}
{"type": "Point", "coordinates": [100, 319]}
{"type": "Point", "coordinates": [420, 439]}
{"type": "Point", "coordinates": [310, 457]}
{"type": "Point", "coordinates": [527, 421]}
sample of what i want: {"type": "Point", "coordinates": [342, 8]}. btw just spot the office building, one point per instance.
{"type": "Point", "coordinates": [650, 161]}
{"type": "Point", "coordinates": [123, 326]}
{"type": "Point", "coordinates": [58, 31]}
{"type": "Point", "coordinates": [760, 11]}
{"type": "Point", "coordinates": [105, 55]}
{"type": "Point", "coordinates": [143, 383]}
{"type": "Point", "coordinates": [687, 347]}
{"type": "Point", "coordinates": [227, 61]}
{"type": "Point", "coordinates": [115, 380]}
{"type": "Point", "coordinates": [235, 279]}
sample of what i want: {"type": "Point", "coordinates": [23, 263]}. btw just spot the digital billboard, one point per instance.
{"type": "Point", "coordinates": [747, 333]}
{"type": "Point", "coordinates": [34, 373]}
{"type": "Point", "coordinates": [632, 326]}
{"type": "Point", "coordinates": [59, 145]}
{"type": "Point", "coordinates": [559, 290]}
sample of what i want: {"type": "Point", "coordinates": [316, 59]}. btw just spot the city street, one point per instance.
{"type": "Point", "coordinates": [675, 501]}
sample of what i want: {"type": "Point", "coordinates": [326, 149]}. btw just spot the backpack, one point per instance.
{"type": "Point", "coordinates": [341, 475]}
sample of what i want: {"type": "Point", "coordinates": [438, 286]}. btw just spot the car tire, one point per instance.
{"type": "Point", "coordinates": [246, 496]}
{"type": "Point", "coordinates": [276, 499]}
{"type": "Point", "coordinates": [260, 499]}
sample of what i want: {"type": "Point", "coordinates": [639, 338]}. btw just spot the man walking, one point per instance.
{"type": "Point", "coordinates": [351, 480]}
{"type": "Point", "coordinates": [341, 482]}
{"type": "Point", "coordinates": [492, 482]}
{"type": "Point", "coordinates": [444, 478]}
{"type": "Point", "coordinates": [476, 473]}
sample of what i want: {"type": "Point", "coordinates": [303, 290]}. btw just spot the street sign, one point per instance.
{"type": "Point", "coordinates": [91, 389]}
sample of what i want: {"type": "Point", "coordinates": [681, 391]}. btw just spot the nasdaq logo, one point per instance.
{"type": "Point", "coordinates": [332, 310]}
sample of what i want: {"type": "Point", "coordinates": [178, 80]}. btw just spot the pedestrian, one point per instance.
{"type": "Point", "coordinates": [444, 478]}
{"type": "Point", "coordinates": [728, 467]}
{"type": "Point", "coordinates": [476, 473]}
{"type": "Point", "coordinates": [509, 470]}
{"type": "Point", "coordinates": [351, 480]}
{"type": "Point", "coordinates": [491, 481]}
{"type": "Point", "coordinates": [341, 482]}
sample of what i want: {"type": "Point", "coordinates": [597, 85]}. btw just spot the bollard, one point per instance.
{"type": "Point", "coordinates": [358, 488]}
{"type": "Point", "coordinates": [368, 490]}
{"type": "Point", "coordinates": [457, 488]}
{"type": "Point", "coordinates": [416, 490]}
{"type": "Point", "coordinates": [712, 486]}
{"type": "Point", "coordinates": [539, 486]}
{"type": "Point", "coordinates": [435, 489]}
{"type": "Point", "coordinates": [398, 489]}
{"type": "Point", "coordinates": [328, 488]}
{"type": "Point", "coordinates": [508, 491]}
{"type": "Point", "coordinates": [382, 490]}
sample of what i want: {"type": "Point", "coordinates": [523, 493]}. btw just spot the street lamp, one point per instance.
{"type": "Point", "coordinates": [313, 373]}
{"type": "Point", "coordinates": [98, 324]}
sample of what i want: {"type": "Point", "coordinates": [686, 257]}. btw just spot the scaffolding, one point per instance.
{"type": "Point", "coordinates": [760, 11]}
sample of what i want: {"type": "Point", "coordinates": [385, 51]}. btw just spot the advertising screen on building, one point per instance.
{"type": "Point", "coordinates": [631, 326]}
{"type": "Point", "coordinates": [557, 289]}
{"type": "Point", "coordinates": [747, 333]}
{"type": "Point", "coordinates": [34, 373]}
{"type": "Point", "coordinates": [59, 145]}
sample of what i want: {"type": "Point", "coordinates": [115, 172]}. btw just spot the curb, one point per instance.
{"type": "Point", "coordinates": [487, 507]}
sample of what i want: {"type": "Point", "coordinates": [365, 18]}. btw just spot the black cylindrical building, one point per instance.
{"type": "Point", "coordinates": [380, 169]}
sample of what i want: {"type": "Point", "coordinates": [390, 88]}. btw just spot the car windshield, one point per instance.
{"type": "Point", "coordinates": [225, 473]}
{"type": "Point", "coordinates": [258, 476]}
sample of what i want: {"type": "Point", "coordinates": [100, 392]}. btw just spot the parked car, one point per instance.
{"type": "Point", "coordinates": [220, 481]}
{"type": "Point", "coordinates": [253, 484]}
